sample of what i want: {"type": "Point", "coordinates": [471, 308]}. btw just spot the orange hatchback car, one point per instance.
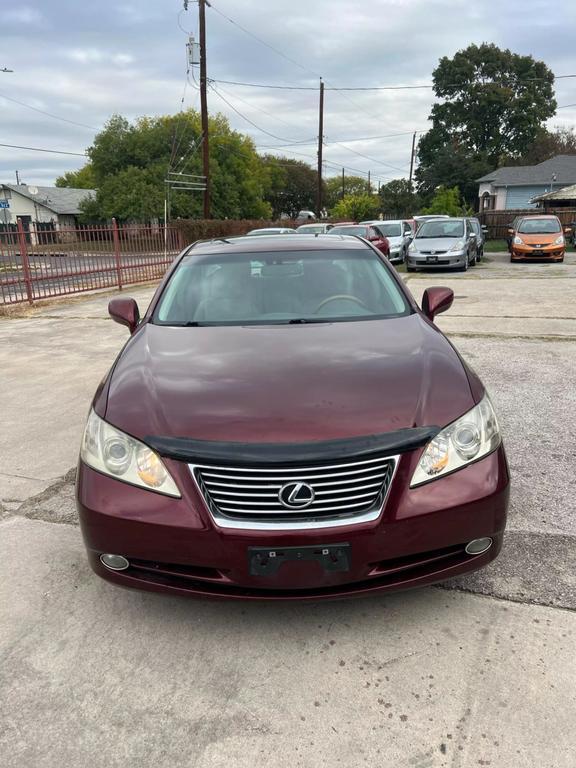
{"type": "Point", "coordinates": [537, 237]}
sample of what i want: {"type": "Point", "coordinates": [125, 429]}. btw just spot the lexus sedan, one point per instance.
{"type": "Point", "coordinates": [286, 422]}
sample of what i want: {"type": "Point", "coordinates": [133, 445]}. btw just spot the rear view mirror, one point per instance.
{"type": "Point", "coordinates": [436, 300]}
{"type": "Point", "coordinates": [125, 312]}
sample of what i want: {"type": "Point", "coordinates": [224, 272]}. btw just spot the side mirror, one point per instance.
{"type": "Point", "coordinates": [510, 231]}
{"type": "Point", "coordinates": [567, 230]}
{"type": "Point", "coordinates": [436, 300]}
{"type": "Point", "coordinates": [472, 235]}
{"type": "Point", "coordinates": [484, 229]}
{"type": "Point", "coordinates": [125, 312]}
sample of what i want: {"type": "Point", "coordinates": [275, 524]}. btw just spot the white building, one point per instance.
{"type": "Point", "coordinates": [59, 206]}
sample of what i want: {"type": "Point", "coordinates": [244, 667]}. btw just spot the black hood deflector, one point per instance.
{"type": "Point", "coordinates": [236, 454]}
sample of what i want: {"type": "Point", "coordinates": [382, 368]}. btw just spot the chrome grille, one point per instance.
{"type": "Point", "coordinates": [344, 492]}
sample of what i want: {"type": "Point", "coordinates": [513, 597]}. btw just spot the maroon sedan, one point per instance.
{"type": "Point", "coordinates": [285, 422]}
{"type": "Point", "coordinates": [370, 232]}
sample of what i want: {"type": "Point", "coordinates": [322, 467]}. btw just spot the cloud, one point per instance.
{"type": "Point", "coordinates": [23, 15]}
{"type": "Point", "coordinates": [85, 70]}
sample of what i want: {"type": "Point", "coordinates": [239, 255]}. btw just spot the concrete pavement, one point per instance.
{"type": "Point", "coordinates": [91, 674]}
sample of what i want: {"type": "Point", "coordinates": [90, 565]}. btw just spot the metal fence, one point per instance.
{"type": "Point", "coordinates": [35, 264]}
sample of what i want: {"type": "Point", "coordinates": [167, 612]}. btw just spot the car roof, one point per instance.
{"type": "Point", "coordinates": [265, 243]}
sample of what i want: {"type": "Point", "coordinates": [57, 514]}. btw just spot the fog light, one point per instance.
{"type": "Point", "coordinates": [478, 546]}
{"type": "Point", "coordinates": [114, 562]}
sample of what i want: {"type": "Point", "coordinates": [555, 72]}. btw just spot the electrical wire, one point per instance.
{"type": "Point", "coordinates": [366, 157]}
{"type": "Point", "coordinates": [48, 114]}
{"type": "Point", "coordinates": [247, 119]}
{"type": "Point", "coordinates": [41, 149]}
{"type": "Point", "coordinates": [367, 87]}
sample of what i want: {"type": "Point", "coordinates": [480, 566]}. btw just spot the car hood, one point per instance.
{"type": "Point", "coordinates": [294, 383]}
{"type": "Point", "coordinates": [436, 243]}
{"type": "Point", "coordinates": [543, 239]}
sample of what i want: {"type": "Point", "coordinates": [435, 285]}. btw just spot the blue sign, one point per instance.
{"type": "Point", "coordinates": [4, 204]}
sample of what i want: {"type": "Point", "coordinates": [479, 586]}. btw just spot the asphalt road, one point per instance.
{"type": "Point", "coordinates": [478, 672]}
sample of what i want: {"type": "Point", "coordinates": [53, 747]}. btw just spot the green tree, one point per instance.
{"type": "Point", "coordinates": [290, 185]}
{"type": "Point", "coordinates": [353, 185]}
{"type": "Point", "coordinates": [493, 104]}
{"type": "Point", "coordinates": [560, 141]}
{"type": "Point", "coordinates": [448, 201]}
{"type": "Point", "coordinates": [356, 207]}
{"type": "Point", "coordinates": [81, 179]}
{"type": "Point", "coordinates": [129, 162]}
{"type": "Point", "coordinates": [398, 198]}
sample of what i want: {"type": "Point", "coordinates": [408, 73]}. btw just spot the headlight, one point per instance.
{"type": "Point", "coordinates": [471, 437]}
{"type": "Point", "coordinates": [113, 453]}
{"type": "Point", "coordinates": [412, 248]}
{"type": "Point", "coordinates": [518, 241]}
{"type": "Point", "coordinates": [559, 240]}
{"type": "Point", "coordinates": [458, 246]}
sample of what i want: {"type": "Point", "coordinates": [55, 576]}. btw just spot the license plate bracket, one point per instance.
{"type": "Point", "coordinates": [265, 561]}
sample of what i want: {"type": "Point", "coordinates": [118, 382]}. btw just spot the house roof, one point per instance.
{"type": "Point", "coordinates": [564, 166]}
{"type": "Point", "coordinates": [57, 199]}
{"type": "Point", "coordinates": [566, 193]}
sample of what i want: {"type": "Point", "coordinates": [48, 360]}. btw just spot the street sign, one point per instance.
{"type": "Point", "coordinates": [4, 204]}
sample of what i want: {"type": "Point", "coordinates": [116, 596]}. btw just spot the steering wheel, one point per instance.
{"type": "Point", "coordinates": [336, 298]}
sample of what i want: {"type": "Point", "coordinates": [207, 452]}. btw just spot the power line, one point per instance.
{"type": "Point", "coordinates": [48, 114]}
{"type": "Point", "coordinates": [247, 119]}
{"type": "Point", "coordinates": [40, 149]}
{"type": "Point", "coordinates": [366, 157]}
{"type": "Point", "coordinates": [348, 141]}
{"type": "Point", "coordinates": [368, 87]}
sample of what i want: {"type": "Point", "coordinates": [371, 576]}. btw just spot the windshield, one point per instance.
{"type": "Point", "coordinates": [280, 288]}
{"type": "Point", "coordinates": [441, 228]}
{"type": "Point", "coordinates": [390, 229]}
{"type": "Point", "coordinates": [539, 226]}
{"type": "Point", "coordinates": [359, 230]}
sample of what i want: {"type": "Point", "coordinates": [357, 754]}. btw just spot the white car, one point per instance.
{"type": "Point", "coordinates": [314, 229]}
{"type": "Point", "coordinates": [271, 231]}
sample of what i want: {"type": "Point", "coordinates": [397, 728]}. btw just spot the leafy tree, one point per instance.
{"type": "Point", "coordinates": [353, 185]}
{"type": "Point", "coordinates": [398, 198]}
{"type": "Point", "coordinates": [129, 162]}
{"type": "Point", "coordinates": [356, 207]}
{"type": "Point", "coordinates": [560, 141]}
{"type": "Point", "coordinates": [450, 165]}
{"type": "Point", "coordinates": [493, 106]}
{"type": "Point", "coordinates": [82, 179]}
{"type": "Point", "coordinates": [447, 200]}
{"type": "Point", "coordinates": [290, 185]}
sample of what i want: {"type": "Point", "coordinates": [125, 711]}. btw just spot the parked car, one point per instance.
{"type": "Point", "coordinates": [538, 237]}
{"type": "Point", "coordinates": [271, 231]}
{"type": "Point", "coordinates": [314, 229]}
{"type": "Point", "coordinates": [442, 243]}
{"type": "Point", "coordinates": [511, 233]}
{"type": "Point", "coordinates": [305, 216]}
{"type": "Point", "coordinates": [285, 422]}
{"type": "Point", "coordinates": [372, 233]}
{"type": "Point", "coordinates": [399, 234]}
{"type": "Point", "coordinates": [480, 232]}
{"type": "Point", "coordinates": [428, 217]}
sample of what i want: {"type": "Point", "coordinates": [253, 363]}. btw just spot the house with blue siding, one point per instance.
{"type": "Point", "coordinates": [515, 187]}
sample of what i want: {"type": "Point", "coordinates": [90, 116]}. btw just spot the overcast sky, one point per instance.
{"type": "Point", "coordinates": [83, 61]}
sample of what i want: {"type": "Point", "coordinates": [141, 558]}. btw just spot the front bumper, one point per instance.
{"type": "Point", "coordinates": [396, 256]}
{"type": "Point", "coordinates": [549, 252]}
{"type": "Point", "coordinates": [174, 545]}
{"type": "Point", "coordinates": [447, 260]}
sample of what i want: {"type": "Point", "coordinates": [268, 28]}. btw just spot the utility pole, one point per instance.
{"type": "Point", "coordinates": [320, 141]}
{"type": "Point", "coordinates": [343, 185]}
{"type": "Point", "coordinates": [17, 177]}
{"type": "Point", "coordinates": [412, 158]}
{"type": "Point", "coordinates": [204, 105]}
{"type": "Point", "coordinates": [369, 185]}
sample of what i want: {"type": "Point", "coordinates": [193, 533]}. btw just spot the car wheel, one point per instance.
{"type": "Point", "coordinates": [473, 261]}
{"type": "Point", "coordinates": [465, 267]}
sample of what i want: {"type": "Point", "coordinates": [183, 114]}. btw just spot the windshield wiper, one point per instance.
{"type": "Point", "coordinates": [305, 320]}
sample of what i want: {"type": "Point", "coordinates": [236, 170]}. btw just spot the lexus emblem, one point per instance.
{"type": "Point", "coordinates": [296, 495]}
